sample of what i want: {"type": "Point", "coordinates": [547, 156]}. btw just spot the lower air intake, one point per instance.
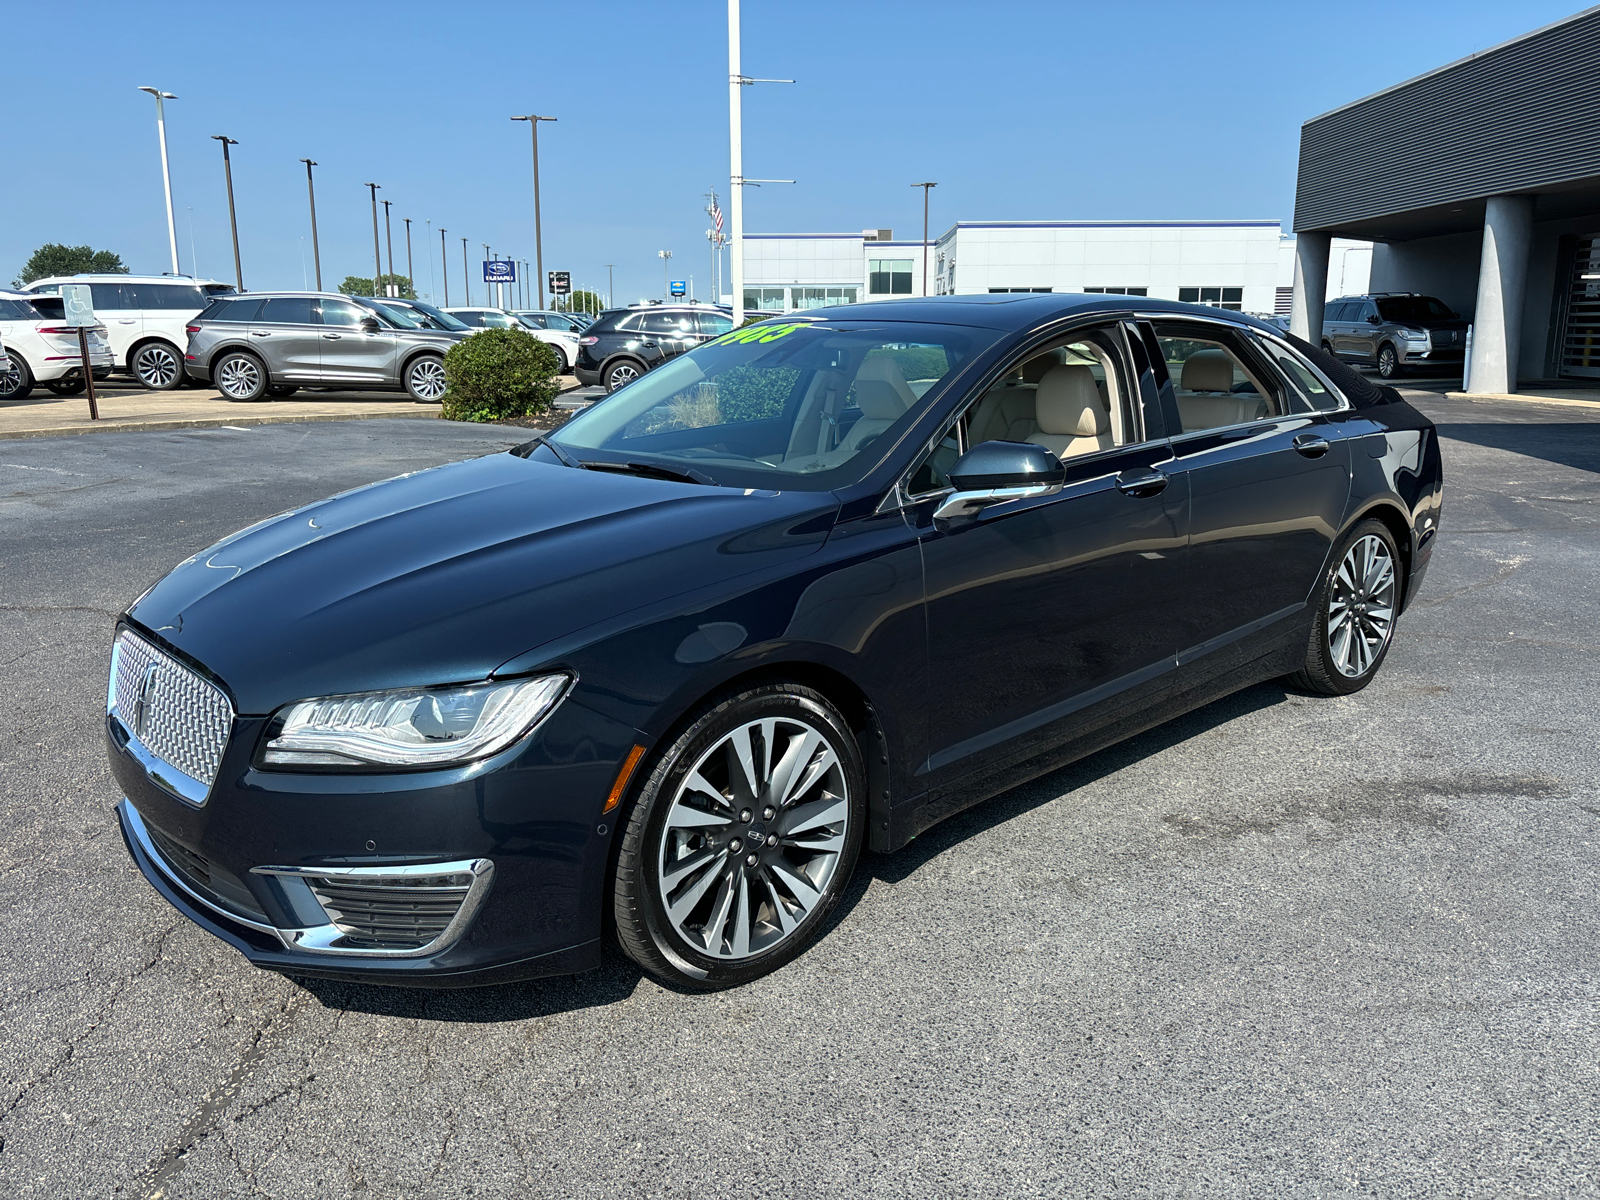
{"type": "Point", "coordinates": [393, 912]}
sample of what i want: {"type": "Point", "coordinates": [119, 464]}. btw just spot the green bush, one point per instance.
{"type": "Point", "coordinates": [498, 373]}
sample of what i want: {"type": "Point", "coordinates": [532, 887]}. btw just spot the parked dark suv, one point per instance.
{"type": "Point", "coordinates": [1393, 331]}
{"type": "Point", "coordinates": [624, 343]}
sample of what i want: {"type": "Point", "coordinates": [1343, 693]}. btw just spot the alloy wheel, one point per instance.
{"type": "Point", "coordinates": [156, 367]}
{"type": "Point", "coordinates": [753, 837]}
{"type": "Point", "coordinates": [1388, 363]}
{"type": "Point", "coordinates": [622, 373]}
{"type": "Point", "coordinates": [1361, 607]}
{"type": "Point", "coordinates": [11, 379]}
{"type": "Point", "coordinates": [426, 379]}
{"type": "Point", "coordinates": [239, 377]}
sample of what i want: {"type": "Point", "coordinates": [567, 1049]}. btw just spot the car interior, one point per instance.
{"type": "Point", "coordinates": [1213, 385]}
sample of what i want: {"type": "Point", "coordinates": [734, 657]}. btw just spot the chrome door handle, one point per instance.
{"type": "Point", "coordinates": [332, 337]}
{"type": "Point", "coordinates": [1151, 483]}
{"type": "Point", "coordinates": [1311, 445]}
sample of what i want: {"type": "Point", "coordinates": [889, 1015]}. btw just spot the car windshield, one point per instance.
{"type": "Point", "coordinates": [783, 404]}
{"type": "Point", "coordinates": [437, 319]}
{"type": "Point", "coordinates": [1413, 308]}
{"type": "Point", "coordinates": [400, 315]}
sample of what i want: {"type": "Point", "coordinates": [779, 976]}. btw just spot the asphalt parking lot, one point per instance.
{"type": "Point", "coordinates": [1285, 946]}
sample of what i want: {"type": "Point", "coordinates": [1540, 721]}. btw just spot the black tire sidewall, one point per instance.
{"type": "Point", "coordinates": [261, 390]}
{"type": "Point", "coordinates": [411, 367]}
{"type": "Point", "coordinates": [1321, 665]}
{"type": "Point", "coordinates": [643, 829]}
{"type": "Point", "coordinates": [612, 367]}
{"type": "Point", "coordinates": [1394, 361]}
{"type": "Point", "coordinates": [177, 357]}
{"type": "Point", "coordinates": [25, 380]}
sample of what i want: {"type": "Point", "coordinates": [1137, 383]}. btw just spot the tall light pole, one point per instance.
{"type": "Point", "coordinates": [611, 285]}
{"type": "Point", "coordinates": [666, 285]}
{"type": "Point", "coordinates": [485, 246]}
{"type": "Point", "coordinates": [388, 233]}
{"type": "Point", "coordinates": [444, 264]}
{"type": "Point", "coordinates": [377, 255]}
{"type": "Point", "coordinates": [311, 192]}
{"type": "Point", "coordinates": [538, 232]}
{"type": "Point", "coordinates": [166, 171]}
{"type": "Point", "coordinates": [410, 279]}
{"type": "Point", "coordinates": [736, 178]}
{"type": "Point", "coordinates": [233, 220]}
{"type": "Point", "coordinates": [466, 280]}
{"type": "Point", "coordinates": [926, 188]}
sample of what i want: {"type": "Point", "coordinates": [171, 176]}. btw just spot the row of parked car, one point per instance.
{"type": "Point", "coordinates": [147, 324]}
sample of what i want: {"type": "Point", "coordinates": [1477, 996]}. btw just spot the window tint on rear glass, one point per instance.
{"type": "Point", "coordinates": [232, 310]}
{"type": "Point", "coordinates": [715, 323]}
{"type": "Point", "coordinates": [172, 297]}
{"type": "Point", "coordinates": [1213, 382]}
{"type": "Point", "coordinates": [668, 322]}
{"type": "Point", "coordinates": [112, 296]}
{"type": "Point", "coordinates": [287, 310]}
{"type": "Point", "coordinates": [17, 310]}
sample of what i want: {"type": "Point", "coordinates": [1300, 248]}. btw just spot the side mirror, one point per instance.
{"type": "Point", "coordinates": [995, 472]}
{"type": "Point", "coordinates": [1374, 319]}
{"type": "Point", "coordinates": [370, 324]}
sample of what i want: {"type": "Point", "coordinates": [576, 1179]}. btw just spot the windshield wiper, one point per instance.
{"type": "Point", "coordinates": [566, 456]}
{"type": "Point", "coordinates": [654, 471]}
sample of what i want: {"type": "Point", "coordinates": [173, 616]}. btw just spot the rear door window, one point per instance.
{"type": "Point", "coordinates": [113, 297]}
{"type": "Point", "coordinates": [169, 297]}
{"type": "Point", "coordinates": [715, 323]}
{"type": "Point", "coordinates": [287, 310]}
{"type": "Point", "coordinates": [1215, 380]}
{"type": "Point", "coordinates": [17, 310]}
{"type": "Point", "coordinates": [231, 310]}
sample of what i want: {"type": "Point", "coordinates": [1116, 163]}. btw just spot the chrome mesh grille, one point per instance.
{"type": "Point", "coordinates": [393, 912]}
{"type": "Point", "coordinates": [179, 717]}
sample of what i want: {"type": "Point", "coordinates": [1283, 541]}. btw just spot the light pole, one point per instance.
{"type": "Point", "coordinates": [926, 188]}
{"type": "Point", "coordinates": [377, 255]}
{"type": "Point", "coordinates": [410, 279]}
{"type": "Point", "coordinates": [166, 171]}
{"type": "Point", "coordinates": [736, 178]}
{"type": "Point", "coordinates": [311, 192]}
{"type": "Point", "coordinates": [666, 286]}
{"type": "Point", "coordinates": [538, 232]}
{"type": "Point", "coordinates": [444, 265]}
{"type": "Point", "coordinates": [388, 233]}
{"type": "Point", "coordinates": [466, 280]}
{"type": "Point", "coordinates": [611, 285]}
{"type": "Point", "coordinates": [485, 246]}
{"type": "Point", "coordinates": [233, 220]}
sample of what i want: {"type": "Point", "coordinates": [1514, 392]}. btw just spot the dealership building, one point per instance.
{"type": "Point", "coordinates": [1479, 182]}
{"type": "Point", "coordinates": [1245, 265]}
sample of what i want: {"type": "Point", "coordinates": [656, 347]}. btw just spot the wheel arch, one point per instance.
{"type": "Point", "coordinates": [622, 356]}
{"type": "Point", "coordinates": [222, 352]}
{"type": "Point", "coordinates": [1394, 519]}
{"type": "Point", "coordinates": [146, 339]}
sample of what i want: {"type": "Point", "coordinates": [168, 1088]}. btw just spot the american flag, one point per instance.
{"type": "Point", "coordinates": [716, 214]}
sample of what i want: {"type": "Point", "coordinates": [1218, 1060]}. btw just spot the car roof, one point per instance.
{"type": "Point", "coordinates": [1009, 311]}
{"type": "Point", "coordinates": [116, 277]}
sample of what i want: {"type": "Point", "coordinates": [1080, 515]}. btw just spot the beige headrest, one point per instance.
{"type": "Point", "coordinates": [1207, 371]}
{"type": "Point", "coordinates": [1068, 402]}
{"type": "Point", "coordinates": [881, 390]}
{"type": "Point", "coordinates": [1034, 369]}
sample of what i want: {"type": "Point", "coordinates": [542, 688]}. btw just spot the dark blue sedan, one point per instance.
{"type": "Point", "coordinates": [811, 587]}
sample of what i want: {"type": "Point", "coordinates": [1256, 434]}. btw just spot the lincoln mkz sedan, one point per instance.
{"type": "Point", "coordinates": [807, 589]}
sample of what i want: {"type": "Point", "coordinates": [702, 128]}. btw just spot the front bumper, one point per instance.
{"type": "Point", "coordinates": [524, 826]}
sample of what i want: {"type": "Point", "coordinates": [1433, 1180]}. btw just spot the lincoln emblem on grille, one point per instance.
{"type": "Point", "coordinates": [141, 707]}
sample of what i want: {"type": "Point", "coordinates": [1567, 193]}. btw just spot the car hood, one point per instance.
{"type": "Point", "coordinates": [443, 575]}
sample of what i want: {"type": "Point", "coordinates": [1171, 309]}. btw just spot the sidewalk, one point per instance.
{"type": "Point", "coordinates": [122, 407]}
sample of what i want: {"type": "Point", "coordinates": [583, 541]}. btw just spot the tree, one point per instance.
{"type": "Point", "coordinates": [359, 285]}
{"type": "Point", "coordinates": [53, 258]}
{"type": "Point", "coordinates": [585, 302]}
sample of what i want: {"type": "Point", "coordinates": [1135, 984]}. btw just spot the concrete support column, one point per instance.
{"type": "Point", "coordinates": [1502, 274]}
{"type": "Point", "coordinates": [1310, 285]}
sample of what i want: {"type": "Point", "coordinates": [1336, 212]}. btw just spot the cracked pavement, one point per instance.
{"type": "Point", "coordinates": [1284, 946]}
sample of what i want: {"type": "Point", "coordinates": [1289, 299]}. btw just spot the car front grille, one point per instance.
{"type": "Point", "coordinates": [391, 912]}
{"type": "Point", "coordinates": [1446, 337]}
{"type": "Point", "coordinates": [179, 717]}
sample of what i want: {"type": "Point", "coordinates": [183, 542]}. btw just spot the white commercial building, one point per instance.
{"type": "Point", "coordinates": [1241, 265]}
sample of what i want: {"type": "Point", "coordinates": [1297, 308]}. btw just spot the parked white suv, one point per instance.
{"type": "Point", "coordinates": [563, 342]}
{"type": "Point", "coordinates": [144, 316]}
{"type": "Point", "coordinates": [43, 349]}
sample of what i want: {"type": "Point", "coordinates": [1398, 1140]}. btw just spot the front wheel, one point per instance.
{"type": "Point", "coordinates": [240, 376]}
{"type": "Point", "coordinates": [1356, 611]}
{"type": "Point", "coordinates": [620, 374]}
{"type": "Point", "coordinates": [425, 379]}
{"type": "Point", "coordinates": [1388, 362]}
{"type": "Point", "coordinates": [158, 366]}
{"type": "Point", "coordinates": [741, 840]}
{"type": "Point", "coordinates": [16, 383]}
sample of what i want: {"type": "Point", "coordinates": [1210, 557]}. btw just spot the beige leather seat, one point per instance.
{"type": "Point", "coordinates": [1005, 414]}
{"type": "Point", "coordinates": [1211, 371]}
{"type": "Point", "coordinates": [1073, 418]}
{"type": "Point", "coordinates": [882, 395]}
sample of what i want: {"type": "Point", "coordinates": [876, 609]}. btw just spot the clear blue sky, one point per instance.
{"type": "Point", "coordinates": [1019, 110]}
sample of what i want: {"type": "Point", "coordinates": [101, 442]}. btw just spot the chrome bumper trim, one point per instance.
{"type": "Point", "coordinates": [136, 826]}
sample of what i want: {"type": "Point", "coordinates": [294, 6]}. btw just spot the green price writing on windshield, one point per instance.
{"type": "Point", "coordinates": [757, 333]}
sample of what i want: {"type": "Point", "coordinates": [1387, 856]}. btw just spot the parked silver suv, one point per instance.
{"type": "Point", "coordinates": [1393, 331]}
{"type": "Point", "coordinates": [270, 344]}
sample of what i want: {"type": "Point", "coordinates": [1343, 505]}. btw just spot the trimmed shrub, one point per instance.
{"type": "Point", "coordinates": [498, 373]}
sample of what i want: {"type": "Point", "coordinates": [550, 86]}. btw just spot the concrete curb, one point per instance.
{"type": "Point", "coordinates": [209, 423]}
{"type": "Point", "coordinates": [1484, 397]}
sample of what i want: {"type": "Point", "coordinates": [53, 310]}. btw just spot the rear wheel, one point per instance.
{"type": "Point", "coordinates": [157, 366]}
{"type": "Point", "coordinates": [240, 376]}
{"type": "Point", "coordinates": [1356, 611]}
{"type": "Point", "coordinates": [66, 387]}
{"type": "Point", "coordinates": [741, 840]}
{"type": "Point", "coordinates": [425, 379]}
{"type": "Point", "coordinates": [621, 373]}
{"type": "Point", "coordinates": [1388, 361]}
{"type": "Point", "coordinates": [16, 383]}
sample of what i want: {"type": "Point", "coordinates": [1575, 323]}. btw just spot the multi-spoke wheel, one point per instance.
{"type": "Point", "coordinates": [1388, 361]}
{"type": "Point", "coordinates": [16, 383]}
{"type": "Point", "coordinates": [240, 376]}
{"type": "Point", "coordinates": [1357, 608]}
{"type": "Point", "coordinates": [425, 379]}
{"type": "Point", "coordinates": [620, 374]}
{"type": "Point", "coordinates": [742, 839]}
{"type": "Point", "coordinates": [158, 366]}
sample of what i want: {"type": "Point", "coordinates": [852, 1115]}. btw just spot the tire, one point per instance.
{"type": "Point", "coordinates": [16, 383]}
{"type": "Point", "coordinates": [620, 373]}
{"type": "Point", "coordinates": [1354, 624]}
{"type": "Point", "coordinates": [157, 366]}
{"type": "Point", "coordinates": [67, 387]}
{"type": "Point", "coordinates": [425, 379]}
{"type": "Point", "coordinates": [1327, 348]}
{"type": "Point", "coordinates": [726, 919]}
{"type": "Point", "coordinates": [1388, 362]}
{"type": "Point", "coordinates": [240, 377]}
{"type": "Point", "coordinates": [279, 391]}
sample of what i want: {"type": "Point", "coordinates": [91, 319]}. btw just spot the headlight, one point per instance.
{"type": "Point", "coordinates": [414, 727]}
{"type": "Point", "coordinates": [1416, 335]}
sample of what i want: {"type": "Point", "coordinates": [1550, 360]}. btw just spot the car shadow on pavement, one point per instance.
{"type": "Point", "coordinates": [1572, 443]}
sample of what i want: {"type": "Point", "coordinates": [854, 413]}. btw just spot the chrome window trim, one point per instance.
{"type": "Point", "coordinates": [1344, 404]}
{"type": "Point", "coordinates": [325, 939]}
{"type": "Point", "coordinates": [136, 826]}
